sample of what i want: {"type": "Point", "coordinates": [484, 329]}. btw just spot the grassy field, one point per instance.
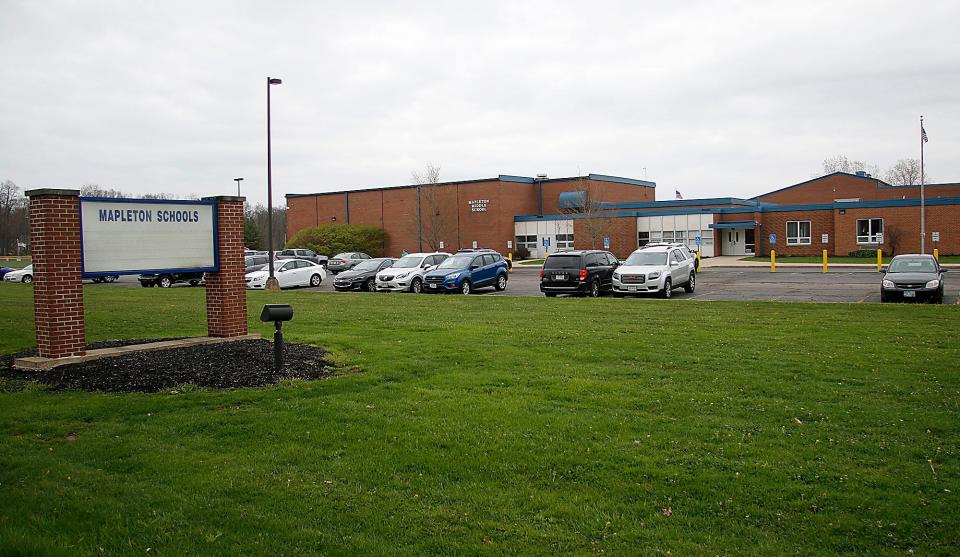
{"type": "Point", "coordinates": [513, 426]}
{"type": "Point", "coordinates": [535, 262]}
{"type": "Point", "coordinates": [15, 262]}
{"type": "Point", "coordinates": [863, 260]}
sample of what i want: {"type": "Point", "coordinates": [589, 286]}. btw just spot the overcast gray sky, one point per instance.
{"type": "Point", "coordinates": [710, 98]}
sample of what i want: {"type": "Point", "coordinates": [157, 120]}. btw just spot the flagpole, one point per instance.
{"type": "Point", "coordinates": [923, 215]}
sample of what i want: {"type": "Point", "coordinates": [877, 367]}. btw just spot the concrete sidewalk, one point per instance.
{"type": "Point", "coordinates": [738, 261]}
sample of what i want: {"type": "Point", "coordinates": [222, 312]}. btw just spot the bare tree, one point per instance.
{"type": "Point", "coordinates": [893, 236]}
{"type": "Point", "coordinates": [258, 213]}
{"type": "Point", "coordinates": [840, 163]}
{"type": "Point", "coordinates": [906, 172]}
{"type": "Point", "coordinates": [14, 227]}
{"type": "Point", "coordinates": [432, 225]}
{"type": "Point", "coordinates": [594, 224]}
{"type": "Point", "coordinates": [95, 190]}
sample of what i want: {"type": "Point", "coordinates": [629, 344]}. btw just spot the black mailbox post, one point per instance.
{"type": "Point", "coordinates": [277, 313]}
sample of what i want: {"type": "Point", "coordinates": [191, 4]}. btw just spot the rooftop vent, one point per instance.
{"type": "Point", "coordinates": [541, 176]}
{"type": "Point", "coordinates": [863, 174]}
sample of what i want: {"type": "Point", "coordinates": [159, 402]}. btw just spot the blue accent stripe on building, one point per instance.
{"type": "Point", "coordinates": [621, 180]}
{"type": "Point", "coordinates": [746, 224]}
{"type": "Point", "coordinates": [521, 179]}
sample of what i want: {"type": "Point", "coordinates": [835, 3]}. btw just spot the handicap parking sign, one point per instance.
{"type": "Point", "coordinates": [606, 243]}
{"type": "Point", "coordinates": [698, 241]}
{"type": "Point", "coordinates": [773, 239]}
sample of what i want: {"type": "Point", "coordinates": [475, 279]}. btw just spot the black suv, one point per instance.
{"type": "Point", "coordinates": [585, 272]}
{"type": "Point", "coordinates": [166, 280]}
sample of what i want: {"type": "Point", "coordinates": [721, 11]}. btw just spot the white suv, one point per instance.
{"type": "Point", "coordinates": [656, 268]}
{"type": "Point", "coordinates": [407, 273]}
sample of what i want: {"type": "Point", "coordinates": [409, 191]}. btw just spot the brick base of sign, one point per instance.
{"type": "Point", "coordinates": [226, 289]}
{"type": "Point", "coordinates": [57, 274]}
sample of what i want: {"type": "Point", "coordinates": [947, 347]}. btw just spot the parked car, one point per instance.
{"type": "Point", "coordinates": [363, 276]}
{"type": "Point", "coordinates": [583, 272]}
{"type": "Point", "coordinates": [108, 278]}
{"type": "Point", "coordinates": [346, 261]}
{"type": "Point", "coordinates": [912, 277]}
{"type": "Point", "coordinates": [656, 268]}
{"type": "Point", "coordinates": [289, 273]}
{"type": "Point", "coordinates": [466, 272]}
{"type": "Point", "coordinates": [307, 254]}
{"type": "Point", "coordinates": [4, 271]}
{"type": "Point", "coordinates": [254, 262]}
{"type": "Point", "coordinates": [407, 273]}
{"type": "Point", "coordinates": [166, 280]}
{"type": "Point", "coordinates": [485, 250]}
{"type": "Point", "coordinates": [24, 275]}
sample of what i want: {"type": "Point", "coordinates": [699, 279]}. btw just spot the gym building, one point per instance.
{"type": "Point", "coordinates": [839, 212]}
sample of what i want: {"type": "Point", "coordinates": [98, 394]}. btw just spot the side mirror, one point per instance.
{"type": "Point", "coordinates": [472, 267]}
{"type": "Point", "coordinates": [883, 269]}
{"type": "Point", "coordinates": [942, 270]}
{"type": "Point", "coordinates": [674, 264]}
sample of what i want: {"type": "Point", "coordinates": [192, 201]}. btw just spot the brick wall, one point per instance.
{"type": "Point", "coordinates": [622, 232]}
{"type": "Point", "coordinates": [57, 275]}
{"type": "Point", "coordinates": [226, 290]}
{"type": "Point", "coordinates": [944, 219]}
{"type": "Point", "coordinates": [821, 222]}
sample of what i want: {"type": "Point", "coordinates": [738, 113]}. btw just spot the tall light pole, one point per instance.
{"type": "Point", "coordinates": [272, 283]}
{"type": "Point", "coordinates": [238, 180]}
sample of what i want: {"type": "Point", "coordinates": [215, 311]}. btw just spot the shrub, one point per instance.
{"type": "Point", "coordinates": [864, 253]}
{"type": "Point", "coordinates": [330, 239]}
{"type": "Point", "coordinates": [521, 253]}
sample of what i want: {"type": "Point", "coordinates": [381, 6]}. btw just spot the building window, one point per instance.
{"type": "Point", "coordinates": [643, 238]}
{"type": "Point", "coordinates": [564, 241]}
{"type": "Point", "coordinates": [869, 231]}
{"type": "Point", "coordinates": [798, 233]}
{"type": "Point", "coordinates": [529, 242]}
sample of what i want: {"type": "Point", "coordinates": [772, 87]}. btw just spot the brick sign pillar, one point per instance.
{"type": "Point", "coordinates": [226, 290]}
{"type": "Point", "coordinates": [57, 274]}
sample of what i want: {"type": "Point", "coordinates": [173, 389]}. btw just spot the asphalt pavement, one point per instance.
{"type": "Point", "coordinates": [796, 284]}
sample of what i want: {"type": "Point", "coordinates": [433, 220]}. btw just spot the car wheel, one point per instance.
{"type": "Point", "coordinates": [883, 298]}
{"type": "Point", "coordinates": [370, 286]}
{"type": "Point", "coordinates": [465, 287]}
{"type": "Point", "coordinates": [164, 282]}
{"type": "Point", "coordinates": [550, 294]}
{"type": "Point", "coordinates": [27, 279]}
{"type": "Point", "coordinates": [145, 284]}
{"type": "Point", "coordinates": [315, 280]}
{"type": "Point", "coordinates": [667, 289]}
{"type": "Point", "coordinates": [97, 280]}
{"type": "Point", "coordinates": [110, 278]}
{"type": "Point", "coordinates": [691, 284]}
{"type": "Point", "coordinates": [595, 289]}
{"type": "Point", "coordinates": [501, 283]}
{"type": "Point", "coordinates": [416, 286]}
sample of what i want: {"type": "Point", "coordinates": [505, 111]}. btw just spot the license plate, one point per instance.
{"type": "Point", "coordinates": [909, 294]}
{"type": "Point", "coordinates": [559, 277]}
{"type": "Point", "coordinates": [433, 286]}
{"type": "Point", "coordinates": [632, 288]}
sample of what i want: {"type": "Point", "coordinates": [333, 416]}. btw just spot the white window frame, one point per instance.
{"type": "Point", "coordinates": [564, 241]}
{"type": "Point", "coordinates": [873, 237]}
{"type": "Point", "coordinates": [799, 239]}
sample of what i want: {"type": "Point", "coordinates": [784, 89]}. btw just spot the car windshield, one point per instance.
{"type": "Point", "coordinates": [288, 252]}
{"type": "Point", "coordinates": [368, 265]}
{"type": "Point", "coordinates": [912, 265]}
{"type": "Point", "coordinates": [408, 262]}
{"type": "Point", "coordinates": [345, 255]}
{"type": "Point", "coordinates": [647, 258]}
{"type": "Point", "coordinates": [456, 262]}
{"type": "Point", "coordinates": [562, 262]}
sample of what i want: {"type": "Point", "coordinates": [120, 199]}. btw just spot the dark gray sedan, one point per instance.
{"type": "Point", "coordinates": [912, 278]}
{"type": "Point", "coordinates": [363, 276]}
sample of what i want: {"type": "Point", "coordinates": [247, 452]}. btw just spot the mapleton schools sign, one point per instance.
{"type": "Point", "coordinates": [130, 236]}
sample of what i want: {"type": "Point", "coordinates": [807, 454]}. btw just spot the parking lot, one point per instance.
{"type": "Point", "coordinates": [806, 284]}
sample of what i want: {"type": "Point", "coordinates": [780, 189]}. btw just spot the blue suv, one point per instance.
{"type": "Point", "coordinates": [465, 272]}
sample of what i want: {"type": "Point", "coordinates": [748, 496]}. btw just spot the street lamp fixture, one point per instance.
{"type": "Point", "coordinates": [238, 180]}
{"type": "Point", "coordinates": [272, 283]}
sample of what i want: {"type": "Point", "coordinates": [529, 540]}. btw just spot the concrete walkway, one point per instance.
{"type": "Point", "coordinates": [738, 261]}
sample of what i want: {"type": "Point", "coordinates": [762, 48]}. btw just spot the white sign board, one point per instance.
{"type": "Point", "coordinates": [478, 205]}
{"type": "Point", "coordinates": [824, 238]}
{"type": "Point", "coordinates": [936, 236]}
{"type": "Point", "coordinates": [441, 245]}
{"type": "Point", "coordinates": [131, 236]}
{"type": "Point", "coordinates": [509, 244]}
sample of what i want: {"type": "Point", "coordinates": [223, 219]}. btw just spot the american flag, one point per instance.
{"type": "Point", "coordinates": [678, 194]}
{"type": "Point", "coordinates": [923, 134]}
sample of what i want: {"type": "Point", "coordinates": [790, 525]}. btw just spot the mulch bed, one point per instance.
{"type": "Point", "coordinates": [245, 363]}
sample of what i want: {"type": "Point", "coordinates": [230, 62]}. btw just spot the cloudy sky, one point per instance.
{"type": "Point", "coordinates": [709, 98]}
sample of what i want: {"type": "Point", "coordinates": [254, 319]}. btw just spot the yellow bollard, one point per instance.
{"type": "Point", "coordinates": [773, 261]}
{"type": "Point", "coordinates": [698, 260]}
{"type": "Point", "coordinates": [510, 257]}
{"type": "Point", "coordinates": [824, 261]}
{"type": "Point", "coordinates": [936, 254]}
{"type": "Point", "coordinates": [879, 259]}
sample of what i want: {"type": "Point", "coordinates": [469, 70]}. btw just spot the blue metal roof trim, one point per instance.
{"type": "Point", "coordinates": [521, 179]}
{"type": "Point", "coordinates": [917, 186]}
{"type": "Point", "coordinates": [618, 179]}
{"type": "Point", "coordinates": [735, 224]}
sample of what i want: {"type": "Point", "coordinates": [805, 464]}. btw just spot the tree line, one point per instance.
{"type": "Point", "coordinates": [15, 218]}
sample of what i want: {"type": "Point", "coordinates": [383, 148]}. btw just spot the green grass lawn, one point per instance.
{"type": "Point", "coordinates": [504, 426]}
{"type": "Point", "coordinates": [864, 260]}
{"type": "Point", "coordinates": [537, 262]}
{"type": "Point", "coordinates": [15, 262]}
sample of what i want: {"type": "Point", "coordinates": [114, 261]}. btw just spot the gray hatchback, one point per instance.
{"type": "Point", "coordinates": [912, 278]}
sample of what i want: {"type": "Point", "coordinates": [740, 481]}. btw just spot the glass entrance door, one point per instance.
{"type": "Point", "coordinates": [750, 242]}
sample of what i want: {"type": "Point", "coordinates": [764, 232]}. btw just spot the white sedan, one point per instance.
{"type": "Point", "coordinates": [289, 273]}
{"type": "Point", "coordinates": [22, 275]}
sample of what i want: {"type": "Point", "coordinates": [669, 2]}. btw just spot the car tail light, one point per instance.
{"type": "Point", "coordinates": [541, 273]}
{"type": "Point", "coordinates": [583, 274]}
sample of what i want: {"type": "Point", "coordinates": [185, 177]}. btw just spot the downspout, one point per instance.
{"type": "Point", "coordinates": [346, 197]}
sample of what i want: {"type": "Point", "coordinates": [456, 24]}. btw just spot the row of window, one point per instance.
{"type": "Point", "coordinates": [678, 236]}
{"type": "Point", "coordinates": [869, 231]}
